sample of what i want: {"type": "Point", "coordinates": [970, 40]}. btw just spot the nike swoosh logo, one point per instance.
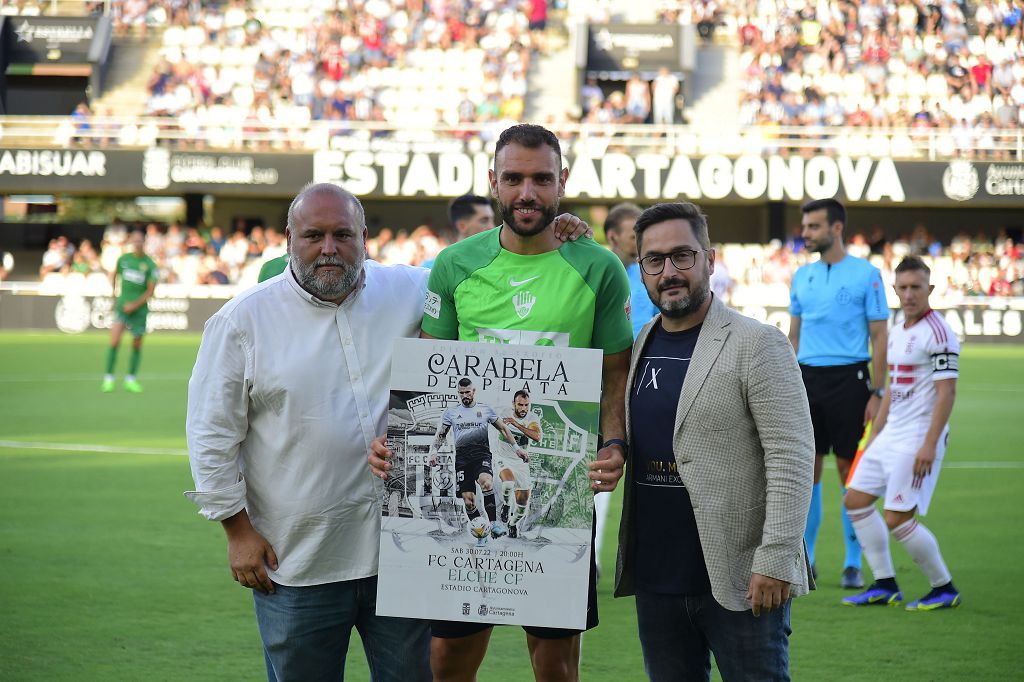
{"type": "Point", "coordinates": [514, 283]}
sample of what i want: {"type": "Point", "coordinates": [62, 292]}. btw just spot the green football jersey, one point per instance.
{"type": "Point", "coordinates": [135, 272]}
{"type": "Point", "coordinates": [273, 268]}
{"type": "Point", "coordinates": [575, 296]}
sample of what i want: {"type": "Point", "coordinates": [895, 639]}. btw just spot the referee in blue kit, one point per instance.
{"type": "Point", "coordinates": [836, 304]}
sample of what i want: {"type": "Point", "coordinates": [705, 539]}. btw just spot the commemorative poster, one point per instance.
{"type": "Point", "coordinates": [487, 513]}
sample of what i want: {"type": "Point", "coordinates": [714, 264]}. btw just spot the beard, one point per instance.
{"type": "Point", "coordinates": [328, 286]}
{"type": "Point", "coordinates": [684, 306]}
{"type": "Point", "coordinates": [823, 245]}
{"type": "Point", "coordinates": [547, 216]}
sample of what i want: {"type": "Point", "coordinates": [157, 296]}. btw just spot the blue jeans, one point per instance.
{"type": "Point", "coordinates": [678, 634]}
{"type": "Point", "coordinates": [306, 630]}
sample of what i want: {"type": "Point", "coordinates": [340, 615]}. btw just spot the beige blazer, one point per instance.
{"type": "Point", "coordinates": [744, 447]}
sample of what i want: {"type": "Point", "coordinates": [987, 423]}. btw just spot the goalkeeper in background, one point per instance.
{"type": "Point", "coordinates": [138, 273]}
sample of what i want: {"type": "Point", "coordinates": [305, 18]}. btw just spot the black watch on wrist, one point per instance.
{"type": "Point", "coordinates": [616, 441]}
{"type": "Point", "coordinates": [878, 392]}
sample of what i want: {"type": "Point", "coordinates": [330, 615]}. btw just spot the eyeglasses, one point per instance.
{"type": "Point", "coordinates": [683, 259]}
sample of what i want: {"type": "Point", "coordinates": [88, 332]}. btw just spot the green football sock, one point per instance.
{"type": "Point", "coordinates": [133, 365]}
{"type": "Point", "coordinates": [111, 359]}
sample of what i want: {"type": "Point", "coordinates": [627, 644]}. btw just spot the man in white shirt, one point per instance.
{"type": "Point", "coordinates": [289, 388]}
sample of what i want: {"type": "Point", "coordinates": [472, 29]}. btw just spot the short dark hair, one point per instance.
{"type": "Point", "coordinates": [529, 136]}
{"type": "Point", "coordinates": [911, 263]}
{"type": "Point", "coordinates": [464, 382]}
{"type": "Point", "coordinates": [464, 207]}
{"type": "Point", "coordinates": [659, 213]}
{"type": "Point", "coordinates": [835, 212]}
{"type": "Point", "coordinates": [521, 392]}
{"type": "Point", "coordinates": [620, 213]}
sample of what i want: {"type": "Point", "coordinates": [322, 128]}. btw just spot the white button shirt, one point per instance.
{"type": "Point", "coordinates": [285, 397]}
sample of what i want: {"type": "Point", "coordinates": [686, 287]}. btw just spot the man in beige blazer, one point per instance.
{"type": "Point", "coordinates": [718, 474]}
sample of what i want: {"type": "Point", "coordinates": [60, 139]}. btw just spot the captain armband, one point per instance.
{"type": "Point", "coordinates": [945, 362]}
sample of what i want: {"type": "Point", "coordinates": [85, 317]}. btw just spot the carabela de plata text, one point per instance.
{"type": "Point", "coordinates": [534, 375]}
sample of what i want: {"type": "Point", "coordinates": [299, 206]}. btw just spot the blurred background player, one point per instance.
{"type": "Point", "coordinates": [908, 441]}
{"type": "Point", "coordinates": [468, 422]}
{"type": "Point", "coordinates": [513, 470]}
{"type": "Point", "coordinates": [836, 304]}
{"type": "Point", "coordinates": [273, 268]}
{"type": "Point", "coordinates": [468, 215]}
{"type": "Point", "coordinates": [138, 275]}
{"type": "Point", "coordinates": [618, 231]}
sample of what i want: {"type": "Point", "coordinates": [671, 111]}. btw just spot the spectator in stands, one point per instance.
{"type": "Point", "coordinates": [665, 91]}
{"type": "Point", "coordinates": [57, 256]}
{"type": "Point", "coordinates": [174, 241]}
{"type": "Point", "coordinates": [213, 271]}
{"type": "Point", "coordinates": [591, 96]}
{"type": "Point", "coordinates": [6, 264]}
{"type": "Point", "coordinates": [638, 99]}
{"type": "Point", "coordinates": [116, 233]}
{"type": "Point", "coordinates": [80, 118]}
{"type": "Point", "coordinates": [194, 243]}
{"type": "Point", "coordinates": [85, 260]}
{"type": "Point", "coordinates": [216, 239]}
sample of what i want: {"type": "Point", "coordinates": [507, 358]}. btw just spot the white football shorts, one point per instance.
{"type": "Point", "coordinates": [508, 459]}
{"type": "Point", "coordinates": [886, 469]}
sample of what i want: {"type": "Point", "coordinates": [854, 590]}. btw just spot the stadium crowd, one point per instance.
{"type": "Point", "coordinates": [884, 63]}
{"type": "Point", "coordinates": [969, 266]}
{"type": "Point", "coordinates": [393, 61]}
{"type": "Point", "coordinates": [199, 255]}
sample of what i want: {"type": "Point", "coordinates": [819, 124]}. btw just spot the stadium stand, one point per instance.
{"type": "Point", "coordinates": [392, 61]}
{"type": "Point", "coordinates": [971, 266]}
{"type": "Point", "coordinates": [884, 63]}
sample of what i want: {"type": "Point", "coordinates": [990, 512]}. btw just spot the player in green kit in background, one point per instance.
{"type": "Point", "coordinates": [273, 268]}
{"type": "Point", "coordinates": [138, 274]}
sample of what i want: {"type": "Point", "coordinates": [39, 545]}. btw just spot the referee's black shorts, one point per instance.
{"type": "Point", "coordinates": [450, 629]}
{"type": "Point", "coordinates": [837, 397]}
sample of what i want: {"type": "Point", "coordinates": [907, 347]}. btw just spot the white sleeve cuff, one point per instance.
{"type": "Point", "coordinates": [217, 505]}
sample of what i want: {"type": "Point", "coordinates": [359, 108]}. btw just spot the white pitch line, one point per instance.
{"type": "Point", "coordinates": [113, 449]}
{"type": "Point", "coordinates": [56, 378]}
{"type": "Point", "coordinates": [86, 447]}
{"type": "Point", "coordinates": [983, 465]}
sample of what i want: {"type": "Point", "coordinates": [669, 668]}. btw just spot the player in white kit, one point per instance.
{"type": "Point", "coordinates": [903, 458]}
{"type": "Point", "coordinates": [513, 471]}
{"type": "Point", "coordinates": [468, 422]}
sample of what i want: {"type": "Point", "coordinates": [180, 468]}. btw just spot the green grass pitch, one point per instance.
{"type": "Point", "coordinates": [109, 574]}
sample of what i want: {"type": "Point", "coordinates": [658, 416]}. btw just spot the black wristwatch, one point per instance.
{"type": "Point", "coordinates": [616, 441]}
{"type": "Point", "coordinates": [878, 392]}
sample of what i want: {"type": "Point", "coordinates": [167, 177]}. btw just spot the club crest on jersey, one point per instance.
{"type": "Point", "coordinates": [523, 302]}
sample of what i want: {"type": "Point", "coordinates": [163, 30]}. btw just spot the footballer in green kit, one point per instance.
{"type": "Point", "coordinates": [138, 275]}
{"type": "Point", "coordinates": [519, 284]}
